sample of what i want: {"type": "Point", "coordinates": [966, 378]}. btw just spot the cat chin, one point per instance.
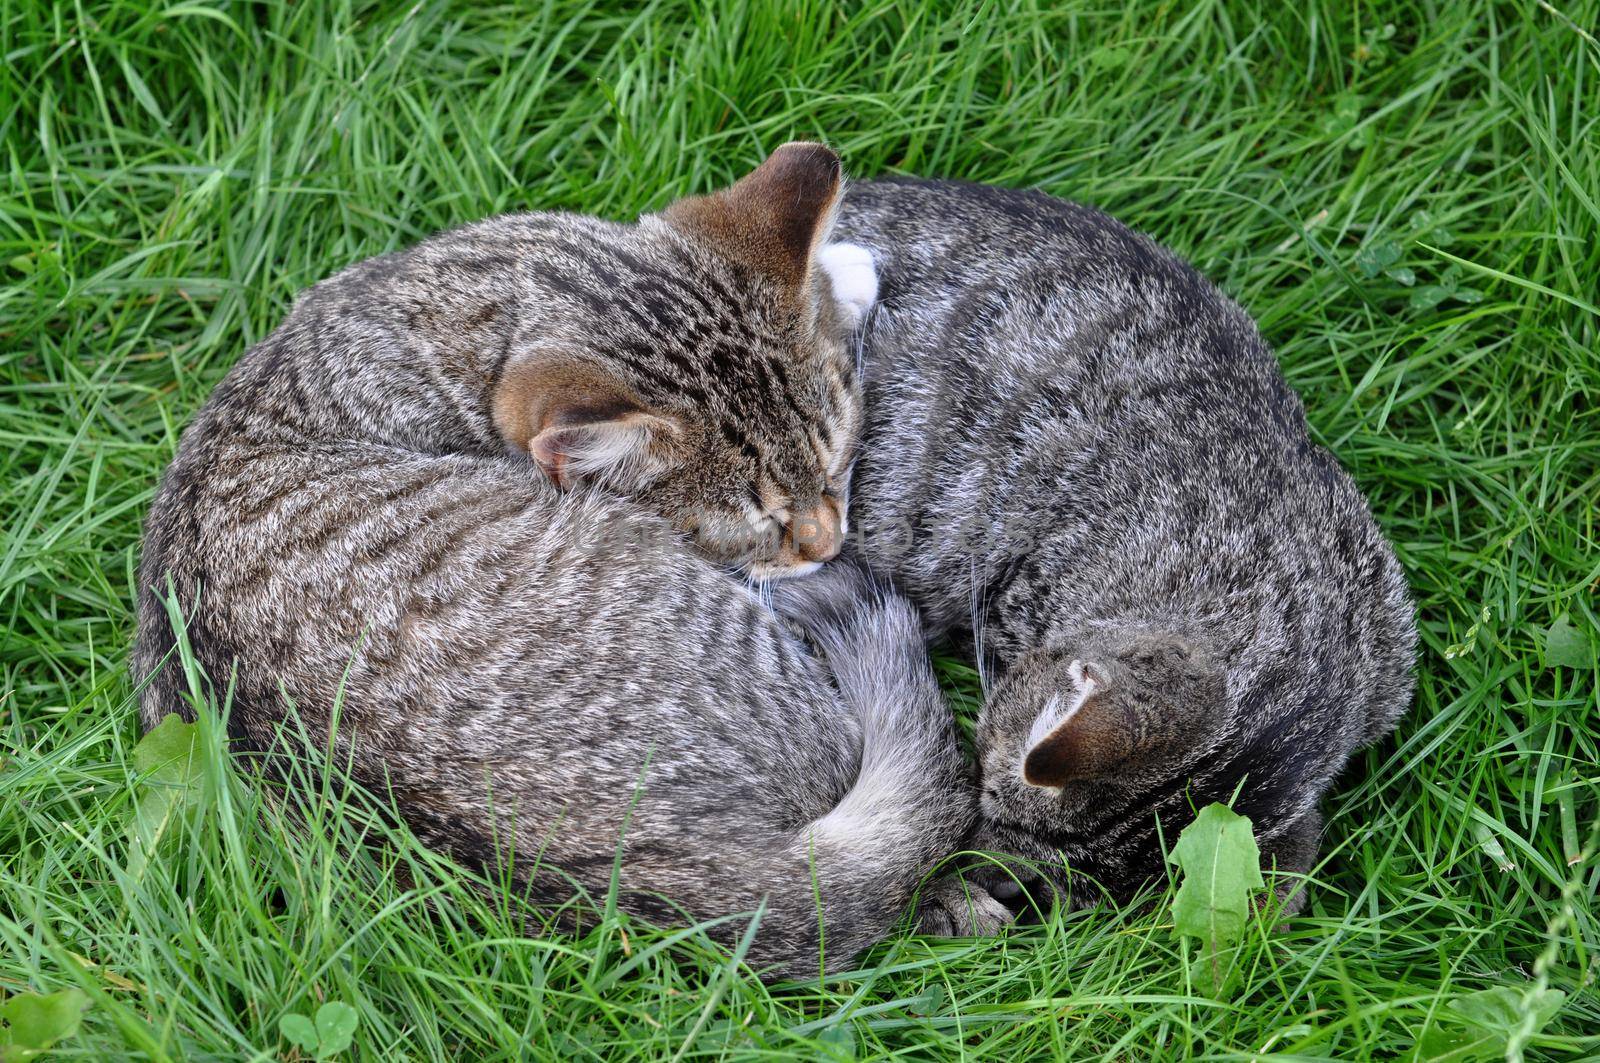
{"type": "Point", "coordinates": [763, 572]}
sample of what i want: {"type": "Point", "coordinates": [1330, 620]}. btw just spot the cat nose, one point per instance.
{"type": "Point", "coordinates": [819, 534]}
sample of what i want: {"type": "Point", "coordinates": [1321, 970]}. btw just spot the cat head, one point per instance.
{"type": "Point", "coordinates": [1095, 748]}
{"type": "Point", "coordinates": [702, 364]}
{"type": "Point", "coordinates": [1110, 707]}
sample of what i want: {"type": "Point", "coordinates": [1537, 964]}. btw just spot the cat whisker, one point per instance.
{"type": "Point", "coordinates": [980, 614]}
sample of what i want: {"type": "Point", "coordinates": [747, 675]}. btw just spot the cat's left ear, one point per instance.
{"type": "Point", "coordinates": [774, 219]}
{"type": "Point", "coordinates": [1083, 736]}
{"type": "Point", "coordinates": [581, 424]}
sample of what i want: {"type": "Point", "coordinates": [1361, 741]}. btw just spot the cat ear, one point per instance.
{"type": "Point", "coordinates": [1084, 736]}
{"type": "Point", "coordinates": [775, 217]}
{"type": "Point", "coordinates": [579, 423]}
{"type": "Point", "coordinates": [618, 447]}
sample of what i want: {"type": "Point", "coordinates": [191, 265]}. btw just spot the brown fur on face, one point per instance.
{"type": "Point", "coordinates": [569, 417]}
{"type": "Point", "coordinates": [528, 677]}
{"type": "Point", "coordinates": [703, 370]}
{"type": "Point", "coordinates": [772, 219]}
{"type": "Point", "coordinates": [819, 534]}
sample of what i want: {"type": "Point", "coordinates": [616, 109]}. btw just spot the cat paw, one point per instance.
{"type": "Point", "coordinates": [954, 908]}
{"type": "Point", "coordinates": [854, 278]}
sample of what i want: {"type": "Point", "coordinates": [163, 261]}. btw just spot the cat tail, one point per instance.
{"type": "Point", "coordinates": [911, 803]}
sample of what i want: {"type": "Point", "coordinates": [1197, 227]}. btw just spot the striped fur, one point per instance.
{"type": "Point", "coordinates": [519, 589]}
{"type": "Point", "coordinates": [1083, 456]}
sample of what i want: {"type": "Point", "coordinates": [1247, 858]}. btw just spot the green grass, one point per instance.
{"type": "Point", "coordinates": [174, 173]}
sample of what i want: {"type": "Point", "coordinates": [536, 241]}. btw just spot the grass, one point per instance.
{"type": "Point", "coordinates": [1405, 196]}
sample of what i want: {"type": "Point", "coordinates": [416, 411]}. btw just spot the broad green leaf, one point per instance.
{"type": "Point", "coordinates": [299, 1030]}
{"type": "Point", "coordinates": [840, 1040]}
{"type": "Point", "coordinates": [577, 1043]}
{"type": "Point", "coordinates": [166, 753]}
{"type": "Point", "coordinates": [1455, 1045]}
{"type": "Point", "coordinates": [336, 1026]}
{"type": "Point", "coordinates": [33, 1022]}
{"type": "Point", "coordinates": [1537, 1008]}
{"type": "Point", "coordinates": [1110, 57]}
{"type": "Point", "coordinates": [169, 776]}
{"type": "Point", "coordinates": [1489, 1024]}
{"type": "Point", "coordinates": [1347, 107]}
{"type": "Point", "coordinates": [1375, 258]}
{"type": "Point", "coordinates": [935, 1000]}
{"type": "Point", "coordinates": [1428, 297]}
{"type": "Point", "coordinates": [1221, 870]}
{"type": "Point", "coordinates": [1565, 645]}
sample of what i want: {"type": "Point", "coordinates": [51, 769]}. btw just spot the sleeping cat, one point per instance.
{"type": "Point", "coordinates": [1079, 448]}
{"type": "Point", "coordinates": [453, 487]}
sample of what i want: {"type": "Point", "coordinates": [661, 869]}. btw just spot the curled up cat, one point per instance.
{"type": "Point", "coordinates": [456, 489]}
{"type": "Point", "coordinates": [1082, 455]}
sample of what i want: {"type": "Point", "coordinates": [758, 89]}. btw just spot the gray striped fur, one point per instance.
{"type": "Point", "coordinates": [535, 653]}
{"type": "Point", "coordinates": [1084, 456]}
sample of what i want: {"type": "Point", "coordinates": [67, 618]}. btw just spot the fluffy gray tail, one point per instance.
{"type": "Point", "coordinates": [911, 803]}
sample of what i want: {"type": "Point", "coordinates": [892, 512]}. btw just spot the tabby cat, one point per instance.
{"type": "Point", "coordinates": [453, 488]}
{"type": "Point", "coordinates": [1084, 454]}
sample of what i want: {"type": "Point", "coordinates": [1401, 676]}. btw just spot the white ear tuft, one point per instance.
{"type": "Point", "coordinates": [853, 276]}
{"type": "Point", "coordinates": [1059, 710]}
{"type": "Point", "coordinates": [617, 451]}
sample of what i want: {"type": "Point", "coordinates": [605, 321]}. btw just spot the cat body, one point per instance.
{"type": "Point", "coordinates": [1082, 451]}
{"type": "Point", "coordinates": [454, 495]}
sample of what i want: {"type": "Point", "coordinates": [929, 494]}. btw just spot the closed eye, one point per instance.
{"type": "Point", "coordinates": [827, 459]}
{"type": "Point", "coordinates": [766, 509]}
{"type": "Point", "coordinates": [839, 473]}
{"type": "Point", "coordinates": [762, 517]}
{"type": "Point", "coordinates": [835, 455]}
{"type": "Point", "coordinates": [758, 520]}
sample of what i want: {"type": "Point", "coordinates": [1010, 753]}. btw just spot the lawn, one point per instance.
{"type": "Point", "coordinates": [1406, 196]}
